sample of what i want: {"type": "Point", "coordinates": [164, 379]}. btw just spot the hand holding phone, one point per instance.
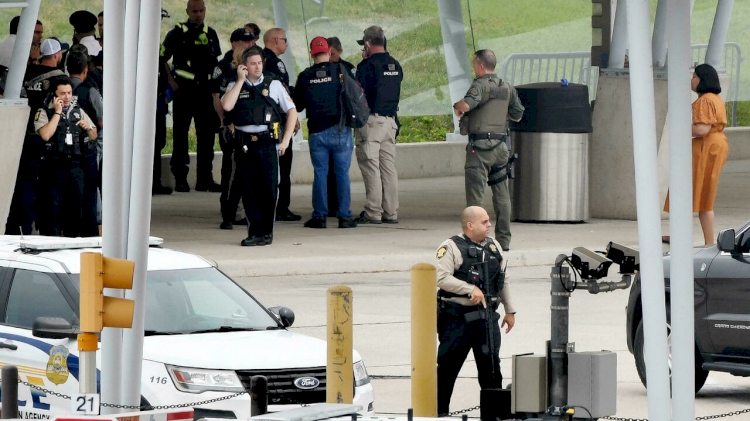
{"type": "Point", "coordinates": [242, 72]}
{"type": "Point", "coordinates": [57, 102]}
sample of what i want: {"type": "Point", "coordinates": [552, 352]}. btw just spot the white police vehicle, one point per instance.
{"type": "Point", "coordinates": [205, 336]}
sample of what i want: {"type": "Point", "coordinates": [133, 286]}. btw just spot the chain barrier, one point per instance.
{"type": "Point", "coordinates": [706, 417]}
{"type": "Point", "coordinates": [139, 407]}
{"type": "Point", "coordinates": [462, 411]}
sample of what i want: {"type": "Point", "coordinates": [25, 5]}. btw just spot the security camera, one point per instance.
{"type": "Point", "coordinates": [626, 257]}
{"type": "Point", "coordinates": [589, 264]}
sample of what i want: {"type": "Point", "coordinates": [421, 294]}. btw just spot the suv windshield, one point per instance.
{"type": "Point", "coordinates": [197, 300]}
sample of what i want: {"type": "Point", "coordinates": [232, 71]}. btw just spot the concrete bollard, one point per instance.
{"type": "Point", "coordinates": [423, 340]}
{"type": "Point", "coordinates": [339, 369]}
{"type": "Point", "coordinates": [9, 386]}
{"type": "Point", "coordinates": [258, 395]}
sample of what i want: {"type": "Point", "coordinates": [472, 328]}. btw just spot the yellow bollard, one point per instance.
{"type": "Point", "coordinates": [424, 340]}
{"type": "Point", "coordinates": [339, 369]}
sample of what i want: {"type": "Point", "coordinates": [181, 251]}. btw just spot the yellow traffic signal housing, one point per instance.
{"type": "Point", "coordinates": [97, 311]}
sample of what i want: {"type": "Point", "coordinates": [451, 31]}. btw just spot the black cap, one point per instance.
{"type": "Point", "coordinates": [83, 21]}
{"type": "Point", "coordinates": [241, 34]}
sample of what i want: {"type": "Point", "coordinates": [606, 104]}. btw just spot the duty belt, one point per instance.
{"type": "Point", "coordinates": [496, 136]}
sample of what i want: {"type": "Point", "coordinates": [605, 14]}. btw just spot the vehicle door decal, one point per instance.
{"type": "Point", "coordinates": [72, 361]}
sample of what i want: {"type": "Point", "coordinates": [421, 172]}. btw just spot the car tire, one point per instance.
{"type": "Point", "coordinates": [640, 363]}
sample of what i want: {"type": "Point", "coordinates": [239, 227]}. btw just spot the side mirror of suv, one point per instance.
{"type": "Point", "coordinates": [284, 314]}
{"type": "Point", "coordinates": [725, 241]}
{"type": "Point", "coordinates": [53, 328]}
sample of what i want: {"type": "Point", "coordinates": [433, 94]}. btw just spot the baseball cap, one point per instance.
{"type": "Point", "coordinates": [50, 47]}
{"type": "Point", "coordinates": [241, 34]}
{"type": "Point", "coordinates": [318, 45]}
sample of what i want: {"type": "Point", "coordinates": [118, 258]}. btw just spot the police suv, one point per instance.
{"type": "Point", "coordinates": [205, 336]}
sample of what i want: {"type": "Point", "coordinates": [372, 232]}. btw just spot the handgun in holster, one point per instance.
{"type": "Point", "coordinates": [512, 166]}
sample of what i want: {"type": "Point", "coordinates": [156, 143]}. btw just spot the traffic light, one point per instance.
{"type": "Point", "coordinates": [97, 311]}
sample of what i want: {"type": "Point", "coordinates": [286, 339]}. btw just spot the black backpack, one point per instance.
{"type": "Point", "coordinates": [354, 103]}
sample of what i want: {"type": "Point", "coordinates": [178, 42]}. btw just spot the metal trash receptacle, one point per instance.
{"type": "Point", "coordinates": [552, 143]}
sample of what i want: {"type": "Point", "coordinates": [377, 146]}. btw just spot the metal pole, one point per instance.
{"type": "Point", "coordinates": [339, 369]}
{"type": "Point", "coordinates": [681, 216]}
{"type": "Point", "coordinates": [456, 53]}
{"type": "Point", "coordinates": [114, 205]}
{"type": "Point", "coordinates": [648, 208]}
{"type": "Point", "coordinates": [26, 25]}
{"type": "Point", "coordinates": [619, 45]}
{"type": "Point", "coordinates": [258, 395]}
{"type": "Point", "coordinates": [140, 193]}
{"type": "Point", "coordinates": [279, 16]}
{"type": "Point", "coordinates": [659, 41]}
{"type": "Point", "coordinates": [558, 346]}
{"type": "Point", "coordinates": [10, 392]}
{"type": "Point", "coordinates": [423, 342]}
{"type": "Point", "coordinates": [87, 346]}
{"type": "Point", "coordinates": [719, 33]}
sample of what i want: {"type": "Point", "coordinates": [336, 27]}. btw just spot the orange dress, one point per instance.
{"type": "Point", "coordinates": [709, 152]}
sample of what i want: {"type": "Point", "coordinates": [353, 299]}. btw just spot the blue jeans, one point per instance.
{"type": "Point", "coordinates": [337, 143]}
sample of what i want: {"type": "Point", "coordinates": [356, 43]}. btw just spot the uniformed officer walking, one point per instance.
{"type": "Point", "coordinates": [194, 49]}
{"type": "Point", "coordinates": [259, 105]}
{"type": "Point", "coordinates": [484, 112]}
{"type": "Point", "coordinates": [276, 43]}
{"type": "Point", "coordinates": [71, 172]}
{"type": "Point", "coordinates": [380, 76]}
{"type": "Point", "coordinates": [465, 263]}
{"type": "Point", "coordinates": [319, 91]}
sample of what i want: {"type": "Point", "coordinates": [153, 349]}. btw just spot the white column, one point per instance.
{"type": "Point", "coordinates": [24, 36]}
{"type": "Point", "coordinates": [455, 51]}
{"type": "Point", "coordinates": [114, 209]}
{"type": "Point", "coordinates": [659, 41]}
{"type": "Point", "coordinates": [681, 212]}
{"type": "Point", "coordinates": [719, 33]}
{"type": "Point", "coordinates": [619, 45]}
{"type": "Point", "coordinates": [140, 193]}
{"type": "Point", "coordinates": [279, 15]}
{"type": "Point", "coordinates": [648, 208]}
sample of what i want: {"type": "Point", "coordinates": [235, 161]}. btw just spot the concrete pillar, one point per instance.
{"type": "Point", "coordinates": [13, 117]}
{"type": "Point", "coordinates": [619, 45]}
{"type": "Point", "coordinates": [455, 51]}
{"type": "Point", "coordinates": [647, 202]}
{"type": "Point", "coordinates": [681, 215]}
{"type": "Point", "coordinates": [719, 32]}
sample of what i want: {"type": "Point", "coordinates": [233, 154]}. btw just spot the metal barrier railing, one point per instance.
{"type": "Point", "coordinates": [519, 69]}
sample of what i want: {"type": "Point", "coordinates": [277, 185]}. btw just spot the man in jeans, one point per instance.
{"type": "Point", "coordinates": [319, 91]}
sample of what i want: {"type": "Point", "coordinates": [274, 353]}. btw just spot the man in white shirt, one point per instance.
{"type": "Point", "coordinates": [84, 26]}
{"type": "Point", "coordinates": [6, 46]}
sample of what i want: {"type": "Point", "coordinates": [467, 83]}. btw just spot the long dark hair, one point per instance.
{"type": "Point", "coordinates": [709, 80]}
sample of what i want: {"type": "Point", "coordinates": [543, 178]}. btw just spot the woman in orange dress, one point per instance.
{"type": "Point", "coordinates": [710, 146]}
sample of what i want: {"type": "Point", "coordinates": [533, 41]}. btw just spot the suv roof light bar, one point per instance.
{"type": "Point", "coordinates": [43, 243]}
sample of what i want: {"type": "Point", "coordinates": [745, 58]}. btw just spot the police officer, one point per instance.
{"type": "Point", "coordinates": [194, 49]}
{"type": "Point", "coordinates": [70, 185]}
{"type": "Point", "coordinates": [484, 112]}
{"type": "Point", "coordinates": [241, 39]}
{"type": "Point", "coordinates": [276, 43]}
{"type": "Point", "coordinates": [84, 30]}
{"type": "Point", "coordinates": [380, 76]}
{"type": "Point", "coordinates": [259, 105]}
{"type": "Point", "coordinates": [24, 212]}
{"type": "Point", "coordinates": [467, 265]}
{"type": "Point", "coordinates": [319, 91]}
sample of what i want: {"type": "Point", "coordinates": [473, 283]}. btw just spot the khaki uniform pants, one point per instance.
{"type": "Point", "coordinates": [376, 156]}
{"type": "Point", "coordinates": [477, 168]}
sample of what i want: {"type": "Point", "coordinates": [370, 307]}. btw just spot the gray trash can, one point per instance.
{"type": "Point", "coordinates": [552, 143]}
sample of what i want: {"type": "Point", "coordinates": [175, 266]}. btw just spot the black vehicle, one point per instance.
{"type": "Point", "coordinates": [722, 308]}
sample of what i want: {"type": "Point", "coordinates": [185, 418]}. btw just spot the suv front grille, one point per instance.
{"type": "Point", "coordinates": [281, 388]}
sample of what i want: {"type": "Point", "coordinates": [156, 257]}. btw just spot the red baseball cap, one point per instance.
{"type": "Point", "coordinates": [318, 45]}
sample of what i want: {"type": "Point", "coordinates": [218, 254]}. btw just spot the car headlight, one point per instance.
{"type": "Point", "coordinates": [360, 374]}
{"type": "Point", "coordinates": [194, 380]}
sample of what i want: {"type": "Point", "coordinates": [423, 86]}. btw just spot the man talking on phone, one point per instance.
{"type": "Point", "coordinates": [264, 120]}
{"type": "Point", "coordinates": [70, 171]}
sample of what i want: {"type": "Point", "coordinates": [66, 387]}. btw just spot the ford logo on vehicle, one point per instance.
{"type": "Point", "coordinates": [306, 383]}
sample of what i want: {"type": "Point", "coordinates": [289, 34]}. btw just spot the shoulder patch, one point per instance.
{"type": "Point", "coordinates": [217, 72]}
{"type": "Point", "coordinates": [282, 68]}
{"type": "Point", "coordinates": [38, 113]}
{"type": "Point", "coordinates": [441, 252]}
{"type": "Point", "coordinates": [473, 91]}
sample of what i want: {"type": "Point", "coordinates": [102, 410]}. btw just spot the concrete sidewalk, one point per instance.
{"type": "Point", "coordinates": [428, 214]}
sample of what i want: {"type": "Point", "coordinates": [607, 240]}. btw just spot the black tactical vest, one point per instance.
{"type": "Point", "coordinates": [472, 270]}
{"type": "Point", "coordinates": [323, 93]}
{"type": "Point", "coordinates": [81, 93]}
{"type": "Point", "coordinates": [253, 106]}
{"type": "Point", "coordinates": [69, 124]}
